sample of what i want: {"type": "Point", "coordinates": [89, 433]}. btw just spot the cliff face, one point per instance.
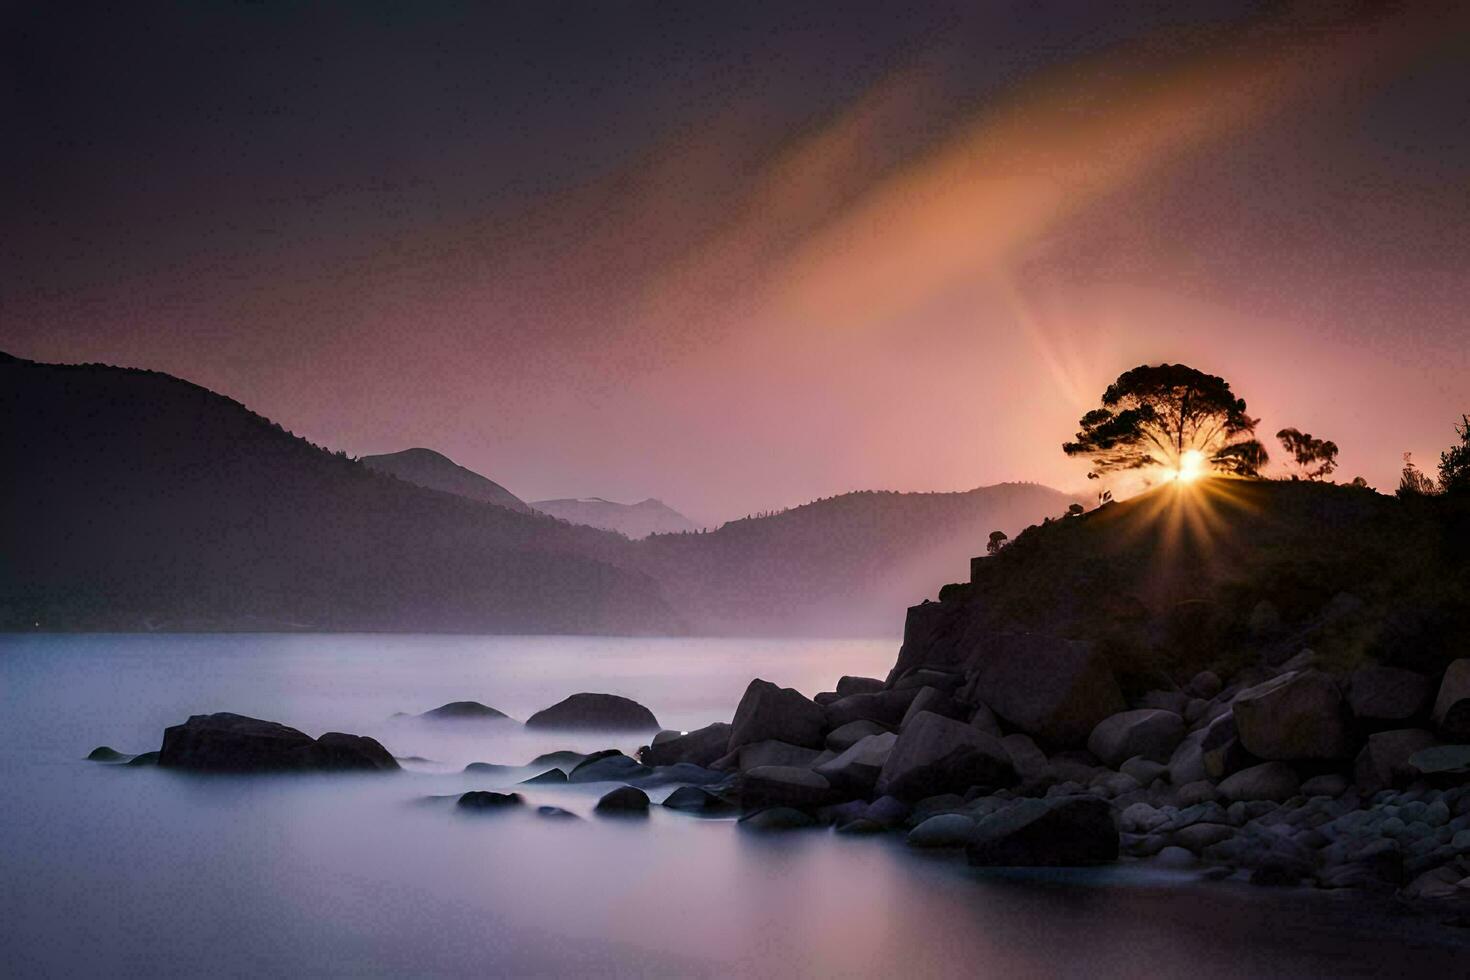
{"type": "Point", "coordinates": [1217, 575]}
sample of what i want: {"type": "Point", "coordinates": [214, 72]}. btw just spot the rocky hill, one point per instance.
{"type": "Point", "coordinates": [426, 468]}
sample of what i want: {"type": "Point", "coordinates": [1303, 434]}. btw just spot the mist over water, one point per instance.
{"type": "Point", "coordinates": [112, 871]}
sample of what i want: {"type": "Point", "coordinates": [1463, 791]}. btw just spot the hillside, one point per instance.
{"type": "Point", "coordinates": [426, 468]}
{"type": "Point", "coordinates": [633, 520]}
{"type": "Point", "coordinates": [839, 566]}
{"type": "Point", "coordinates": [135, 500]}
{"type": "Point", "coordinates": [1223, 574]}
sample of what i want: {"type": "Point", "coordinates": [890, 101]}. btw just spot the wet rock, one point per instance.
{"type": "Point", "coordinates": [844, 738]}
{"type": "Point", "coordinates": [1149, 732]}
{"type": "Point", "coordinates": [692, 799]}
{"type": "Point", "coordinates": [771, 713]}
{"type": "Point", "coordinates": [143, 759]}
{"type": "Point", "coordinates": [603, 767]}
{"type": "Point", "coordinates": [485, 800]}
{"type": "Point", "coordinates": [106, 753]}
{"type": "Point", "coordinates": [778, 818]}
{"type": "Point", "coordinates": [564, 759]}
{"type": "Point", "coordinates": [596, 712]}
{"type": "Point", "coordinates": [464, 711]}
{"type": "Point", "coordinates": [1451, 713]}
{"type": "Point", "coordinates": [550, 777]}
{"type": "Point", "coordinates": [1438, 884]}
{"type": "Point", "coordinates": [1046, 833]}
{"type": "Point", "coordinates": [679, 772]}
{"type": "Point", "coordinates": [491, 769]}
{"type": "Point", "coordinates": [887, 708]}
{"type": "Point", "coordinates": [887, 811]}
{"type": "Point", "coordinates": [1387, 694]}
{"type": "Point", "coordinates": [225, 742]}
{"type": "Point", "coordinates": [1298, 715]}
{"type": "Point", "coordinates": [1269, 781]}
{"type": "Point", "coordinates": [623, 800]}
{"type": "Point", "coordinates": [860, 826]}
{"type": "Point", "coordinates": [556, 813]}
{"type": "Point", "coordinates": [856, 770]}
{"type": "Point", "coordinates": [1055, 690]}
{"type": "Point", "coordinates": [934, 754]}
{"type": "Point", "coordinates": [700, 747]}
{"type": "Point", "coordinates": [849, 685]}
{"type": "Point", "coordinates": [766, 786]}
{"type": "Point", "coordinates": [944, 830]}
{"type": "Point", "coordinates": [1384, 760]}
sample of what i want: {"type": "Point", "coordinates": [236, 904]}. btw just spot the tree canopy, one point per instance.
{"type": "Point", "coordinates": [1315, 458]}
{"type": "Point", "coordinates": [1454, 462]}
{"type": "Point", "coordinates": [1154, 415]}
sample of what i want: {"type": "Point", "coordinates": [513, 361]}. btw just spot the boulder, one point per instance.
{"type": "Point", "coordinates": [849, 685]}
{"type": "Point", "coordinates": [679, 773]}
{"type": "Point", "coordinates": [766, 786]}
{"type": "Point", "coordinates": [551, 777]}
{"type": "Point", "coordinates": [485, 800]}
{"type": "Point", "coordinates": [1298, 715]}
{"type": "Point", "coordinates": [464, 711]}
{"type": "Point", "coordinates": [565, 759]}
{"type": "Point", "coordinates": [937, 701]}
{"type": "Point", "coordinates": [1268, 781]}
{"type": "Point", "coordinates": [1032, 769]}
{"type": "Point", "coordinates": [778, 818]}
{"type": "Point", "coordinates": [1174, 701]}
{"type": "Point", "coordinates": [942, 680]}
{"type": "Point", "coordinates": [844, 738]}
{"type": "Point", "coordinates": [225, 742]}
{"type": "Point", "coordinates": [1384, 760]}
{"type": "Point", "coordinates": [1452, 705]}
{"type": "Point", "coordinates": [769, 712]}
{"type": "Point", "coordinates": [944, 830]}
{"type": "Point", "coordinates": [935, 754]}
{"type": "Point", "coordinates": [1441, 761]}
{"type": "Point", "coordinates": [1220, 750]}
{"type": "Point", "coordinates": [1055, 690]}
{"type": "Point", "coordinates": [857, 769]}
{"type": "Point", "coordinates": [768, 753]}
{"type": "Point", "coordinates": [556, 813]}
{"type": "Point", "coordinates": [887, 708]}
{"type": "Point", "coordinates": [597, 712]}
{"type": "Point", "coordinates": [984, 720]}
{"type": "Point", "coordinates": [144, 759]}
{"type": "Point", "coordinates": [106, 753]}
{"type": "Point", "coordinates": [1328, 784]}
{"type": "Point", "coordinates": [603, 767]}
{"type": "Point", "coordinates": [1143, 770]}
{"type": "Point", "coordinates": [1198, 836]}
{"type": "Point", "coordinates": [887, 811]}
{"type": "Point", "coordinates": [1060, 832]}
{"type": "Point", "coordinates": [1187, 762]}
{"type": "Point", "coordinates": [1387, 694]}
{"type": "Point", "coordinates": [700, 747]}
{"type": "Point", "coordinates": [1206, 684]}
{"type": "Point", "coordinates": [692, 799]}
{"type": "Point", "coordinates": [624, 799]}
{"type": "Point", "coordinates": [1150, 732]}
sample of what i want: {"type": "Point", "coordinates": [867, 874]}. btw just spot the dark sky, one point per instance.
{"type": "Point", "coordinates": [737, 256]}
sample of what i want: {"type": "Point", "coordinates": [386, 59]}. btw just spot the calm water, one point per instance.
{"type": "Point", "coordinates": [108, 871]}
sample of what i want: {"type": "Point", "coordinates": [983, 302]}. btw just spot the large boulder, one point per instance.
{"type": "Point", "coordinates": [598, 712]}
{"type": "Point", "coordinates": [937, 755]}
{"type": "Point", "coordinates": [781, 713]}
{"type": "Point", "coordinates": [1452, 705]}
{"type": "Point", "coordinates": [486, 800]}
{"type": "Point", "coordinates": [857, 769]}
{"type": "Point", "coordinates": [1268, 781]}
{"type": "Point", "coordinates": [771, 752]}
{"type": "Point", "coordinates": [849, 685]}
{"type": "Point", "coordinates": [1298, 715]}
{"type": "Point", "coordinates": [935, 700]}
{"type": "Point", "coordinates": [464, 711]}
{"type": "Point", "coordinates": [1384, 760]}
{"type": "Point", "coordinates": [1379, 694]}
{"type": "Point", "coordinates": [1150, 732]}
{"type": "Point", "coordinates": [1058, 832]}
{"type": "Point", "coordinates": [701, 747]}
{"type": "Point", "coordinates": [1052, 689]}
{"type": "Point", "coordinates": [844, 738]}
{"type": "Point", "coordinates": [887, 708]}
{"type": "Point", "coordinates": [607, 766]}
{"type": "Point", "coordinates": [766, 786]}
{"type": "Point", "coordinates": [623, 800]}
{"type": "Point", "coordinates": [225, 742]}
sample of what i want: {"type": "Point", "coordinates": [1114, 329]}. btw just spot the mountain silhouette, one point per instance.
{"type": "Point", "coordinates": [426, 468]}
{"type": "Point", "coordinates": [634, 520]}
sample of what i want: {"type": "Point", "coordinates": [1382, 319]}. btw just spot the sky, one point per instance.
{"type": "Point", "coordinates": [741, 256]}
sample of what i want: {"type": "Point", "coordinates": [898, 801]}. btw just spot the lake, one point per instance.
{"type": "Point", "coordinates": [113, 871]}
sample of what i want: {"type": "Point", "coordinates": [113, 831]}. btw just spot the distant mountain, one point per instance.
{"type": "Point", "coordinates": [426, 468]}
{"type": "Point", "coordinates": [135, 500]}
{"type": "Point", "coordinates": [635, 520]}
{"type": "Point", "coordinates": [840, 566]}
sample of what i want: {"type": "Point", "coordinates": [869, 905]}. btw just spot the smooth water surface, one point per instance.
{"type": "Point", "coordinates": [108, 871]}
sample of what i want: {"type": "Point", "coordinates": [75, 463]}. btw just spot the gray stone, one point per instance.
{"type": "Point", "coordinates": [1027, 759]}
{"type": "Point", "coordinates": [1452, 705]}
{"type": "Point", "coordinates": [484, 800]}
{"type": "Point", "coordinates": [984, 720]}
{"type": "Point", "coordinates": [1298, 715]}
{"type": "Point", "coordinates": [1072, 831]}
{"type": "Point", "coordinates": [1199, 791]}
{"type": "Point", "coordinates": [1196, 837]}
{"type": "Point", "coordinates": [887, 811]}
{"type": "Point", "coordinates": [607, 767]}
{"type": "Point", "coordinates": [225, 742]}
{"type": "Point", "coordinates": [1269, 781]}
{"type": "Point", "coordinates": [768, 753]}
{"type": "Point", "coordinates": [1176, 857]}
{"type": "Point", "coordinates": [692, 799]}
{"type": "Point", "coordinates": [767, 712]}
{"type": "Point", "coordinates": [1150, 732]}
{"type": "Point", "coordinates": [934, 754]}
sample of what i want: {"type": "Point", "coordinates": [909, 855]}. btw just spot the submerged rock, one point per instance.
{"type": "Point", "coordinates": [549, 777]}
{"type": "Point", "coordinates": [599, 712]}
{"type": "Point", "coordinates": [106, 753]}
{"type": "Point", "coordinates": [623, 800]}
{"type": "Point", "coordinates": [944, 830]}
{"type": "Point", "coordinates": [692, 799]}
{"type": "Point", "coordinates": [608, 766]}
{"type": "Point", "coordinates": [556, 813]}
{"type": "Point", "coordinates": [486, 800]}
{"type": "Point", "coordinates": [464, 711]}
{"type": "Point", "coordinates": [225, 742]}
{"type": "Point", "coordinates": [143, 759]}
{"type": "Point", "coordinates": [1060, 832]}
{"type": "Point", "coordinates": [778, 818]}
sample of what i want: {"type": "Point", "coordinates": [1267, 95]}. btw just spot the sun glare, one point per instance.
{"type": "Point", "coordinates": [1191, 466]}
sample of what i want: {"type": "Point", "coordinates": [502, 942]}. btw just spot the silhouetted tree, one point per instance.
{"type": "Point", "coordinates": [1413, 482]}
{"type": "Point", "coordinates": [1359, 482]}
{"type": "Point", "coordinates": [1154, 414]}
{"type": "Point", "coordinates": [1315, 458]}
{"type": "Point", "coordinates": [997, 541]}
{"type": "Point", "coordinates": [1454, 462]}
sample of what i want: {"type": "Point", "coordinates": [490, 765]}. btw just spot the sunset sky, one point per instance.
{"type": "Point", "coordinates": [738, 256]}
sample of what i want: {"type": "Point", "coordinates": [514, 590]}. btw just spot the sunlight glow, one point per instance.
{"type": "Point", "coordinates": [1191, 466]}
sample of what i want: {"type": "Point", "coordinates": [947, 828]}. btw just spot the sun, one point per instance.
{"type": "Point", "coordinates": [1191, 466]}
